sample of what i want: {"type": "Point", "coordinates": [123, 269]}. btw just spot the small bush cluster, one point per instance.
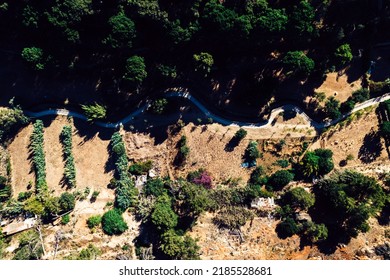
{"type": "Point", "coordinates": [140, 168]}
{"type": "Point", "coordinates": [38, 157]}
{"type": "Point", "coordinates": [94, 221]}
{"type": "Point", "coordinates": [184, 150]}
{"type": "Point", "coordinates": [70, 169]}
{"type": "Point", "coordinates": [252, 152]}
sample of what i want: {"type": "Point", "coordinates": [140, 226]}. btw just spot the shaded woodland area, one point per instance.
{"type": "Point", "coordinates": [234, 55]}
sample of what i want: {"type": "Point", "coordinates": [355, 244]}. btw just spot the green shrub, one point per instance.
{"type": "Point", "coordinates": [22, 196]}
{"type": "Point", "coordinates": [344, 53]}
{"type": "Point", "coordinates": [252, 152]}
{"type": "Point", "coordinates": [163, 217]}
{"type": "Point", "coordinates": [94, 111]}
{"type": "Point", "coordinates": [184, 150]}
{"type": "Point", "coordinates": [67, 202]}
{"type": "Point", "coordinates": [9, 118]}
{"type": "Point", "coordinates": [233, 217]}
{"type": "Point", "coordinates": [158, 106]}
{"type": "Point", "coordinates": [65, 219]}
{"type": "Point", "coordinates": [94, 221]}
{"type": "Point", "coordinates": [89, 253]}
{"type": "Point", "coordinates": [154, 187]}
{"type": "Point", "coordinates": [280, 179]}
{"type": "Point", "coordinates": [34, 56]}
{"type": "Point", "coordinates": [94, 196]}
{"type": "Point", "coordinates": [141, 168]}
{"type": "Point", "coordinates": [240, 134]}
{"type": "Point", "coordinates": [113, 223]}
{"type": "Point", "coordinates": [282, 163]}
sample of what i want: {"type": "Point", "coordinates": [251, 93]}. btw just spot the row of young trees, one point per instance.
{"type": "Point", "coordinates": [38, 157]}
{"type": "Point", "coordinates": [70, 169]}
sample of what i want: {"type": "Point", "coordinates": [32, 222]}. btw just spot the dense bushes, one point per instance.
{"type": "Point", "coordinates": [125, 192]}
{"type": "Point", "coordinates": [70, 170]}
{"type": "Point", "coordinates": [344, 203]}
{"type": "Point", "coordinates": [317, 163]}
{"type": "Point", "coordinates": [94, 221]}
{"type": "Point", "coordinates": [113, 223]}
{"type": "Point", "coordinates": [141, 168]}
{"type": "Point", "coordinates": [67, 202]}
{"type": "Point", "coordinates": [163, 217]}
{"type": "Point", "coordinates": [38, 157]}
{"type": "Point", "coordinates": [9, 118]}
{"type": "Point", "coordinates": [280, 179]}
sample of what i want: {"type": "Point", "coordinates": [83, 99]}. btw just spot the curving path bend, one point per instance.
{"type": "Point", "coordinates": [274, 113]}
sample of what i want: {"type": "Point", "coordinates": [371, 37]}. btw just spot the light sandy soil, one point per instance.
{"type": "Point", "coordinates": [338, 86]}
{"type": "Point", "coordinates": [20, 161]}
{"type": "Point", "coordinates": [90, 155]}
{"type": "Point", "coordinates": [349, 141]}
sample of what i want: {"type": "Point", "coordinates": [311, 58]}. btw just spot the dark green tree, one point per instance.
{"type": "Point", "coordinates": [67, 202]}
{"type": "Point", "coordinates": [344, 53]}
{"type": "Point", "coordinates": [34, 57]}
{"type": "Point", "coordinates": [280, 179]}
{"type": "Point", "coordinates": [135, 69]}
{"type": "Point", "coordinates": [298, 62]}
{"type": "Point", "coordinates": [272, 21]}
{"type": "Point", "coordinates": [203, 62]}
{"type": "Point", "coordinates": [288, 227]}
{"type": "Point", "coordinates": [302, 20]}
{"type": "Point", "coordinates": [122, 31]}
{"type": "Point", "coordinates": [332, 108]}
{"type": "Point", "coordinates": [113, 222]}
{"type": "Point", "coordinates": [240, 134]}
{"type": "Point", "coordinates": [252, 152]}
{"type": "Point", "coordinates": [344, 203]}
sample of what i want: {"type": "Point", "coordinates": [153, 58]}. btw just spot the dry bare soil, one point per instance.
{"type": "Point", "coordinates": [207, 145]}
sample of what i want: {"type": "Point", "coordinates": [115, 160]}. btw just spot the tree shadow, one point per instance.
{"type": "Point", "coordinates": [371, 148]}
{"type": "Point", "coordinates": [289, 114]}
{"type": "Point", "coordinates": [232, 144]}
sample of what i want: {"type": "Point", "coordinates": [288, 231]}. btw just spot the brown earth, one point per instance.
{"type": "Point", "coordinates": [207, 150]}
{"type": "Point", "coordinates": [360, 138]}
{"type": "Point", "coordinates": [339, 85]}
